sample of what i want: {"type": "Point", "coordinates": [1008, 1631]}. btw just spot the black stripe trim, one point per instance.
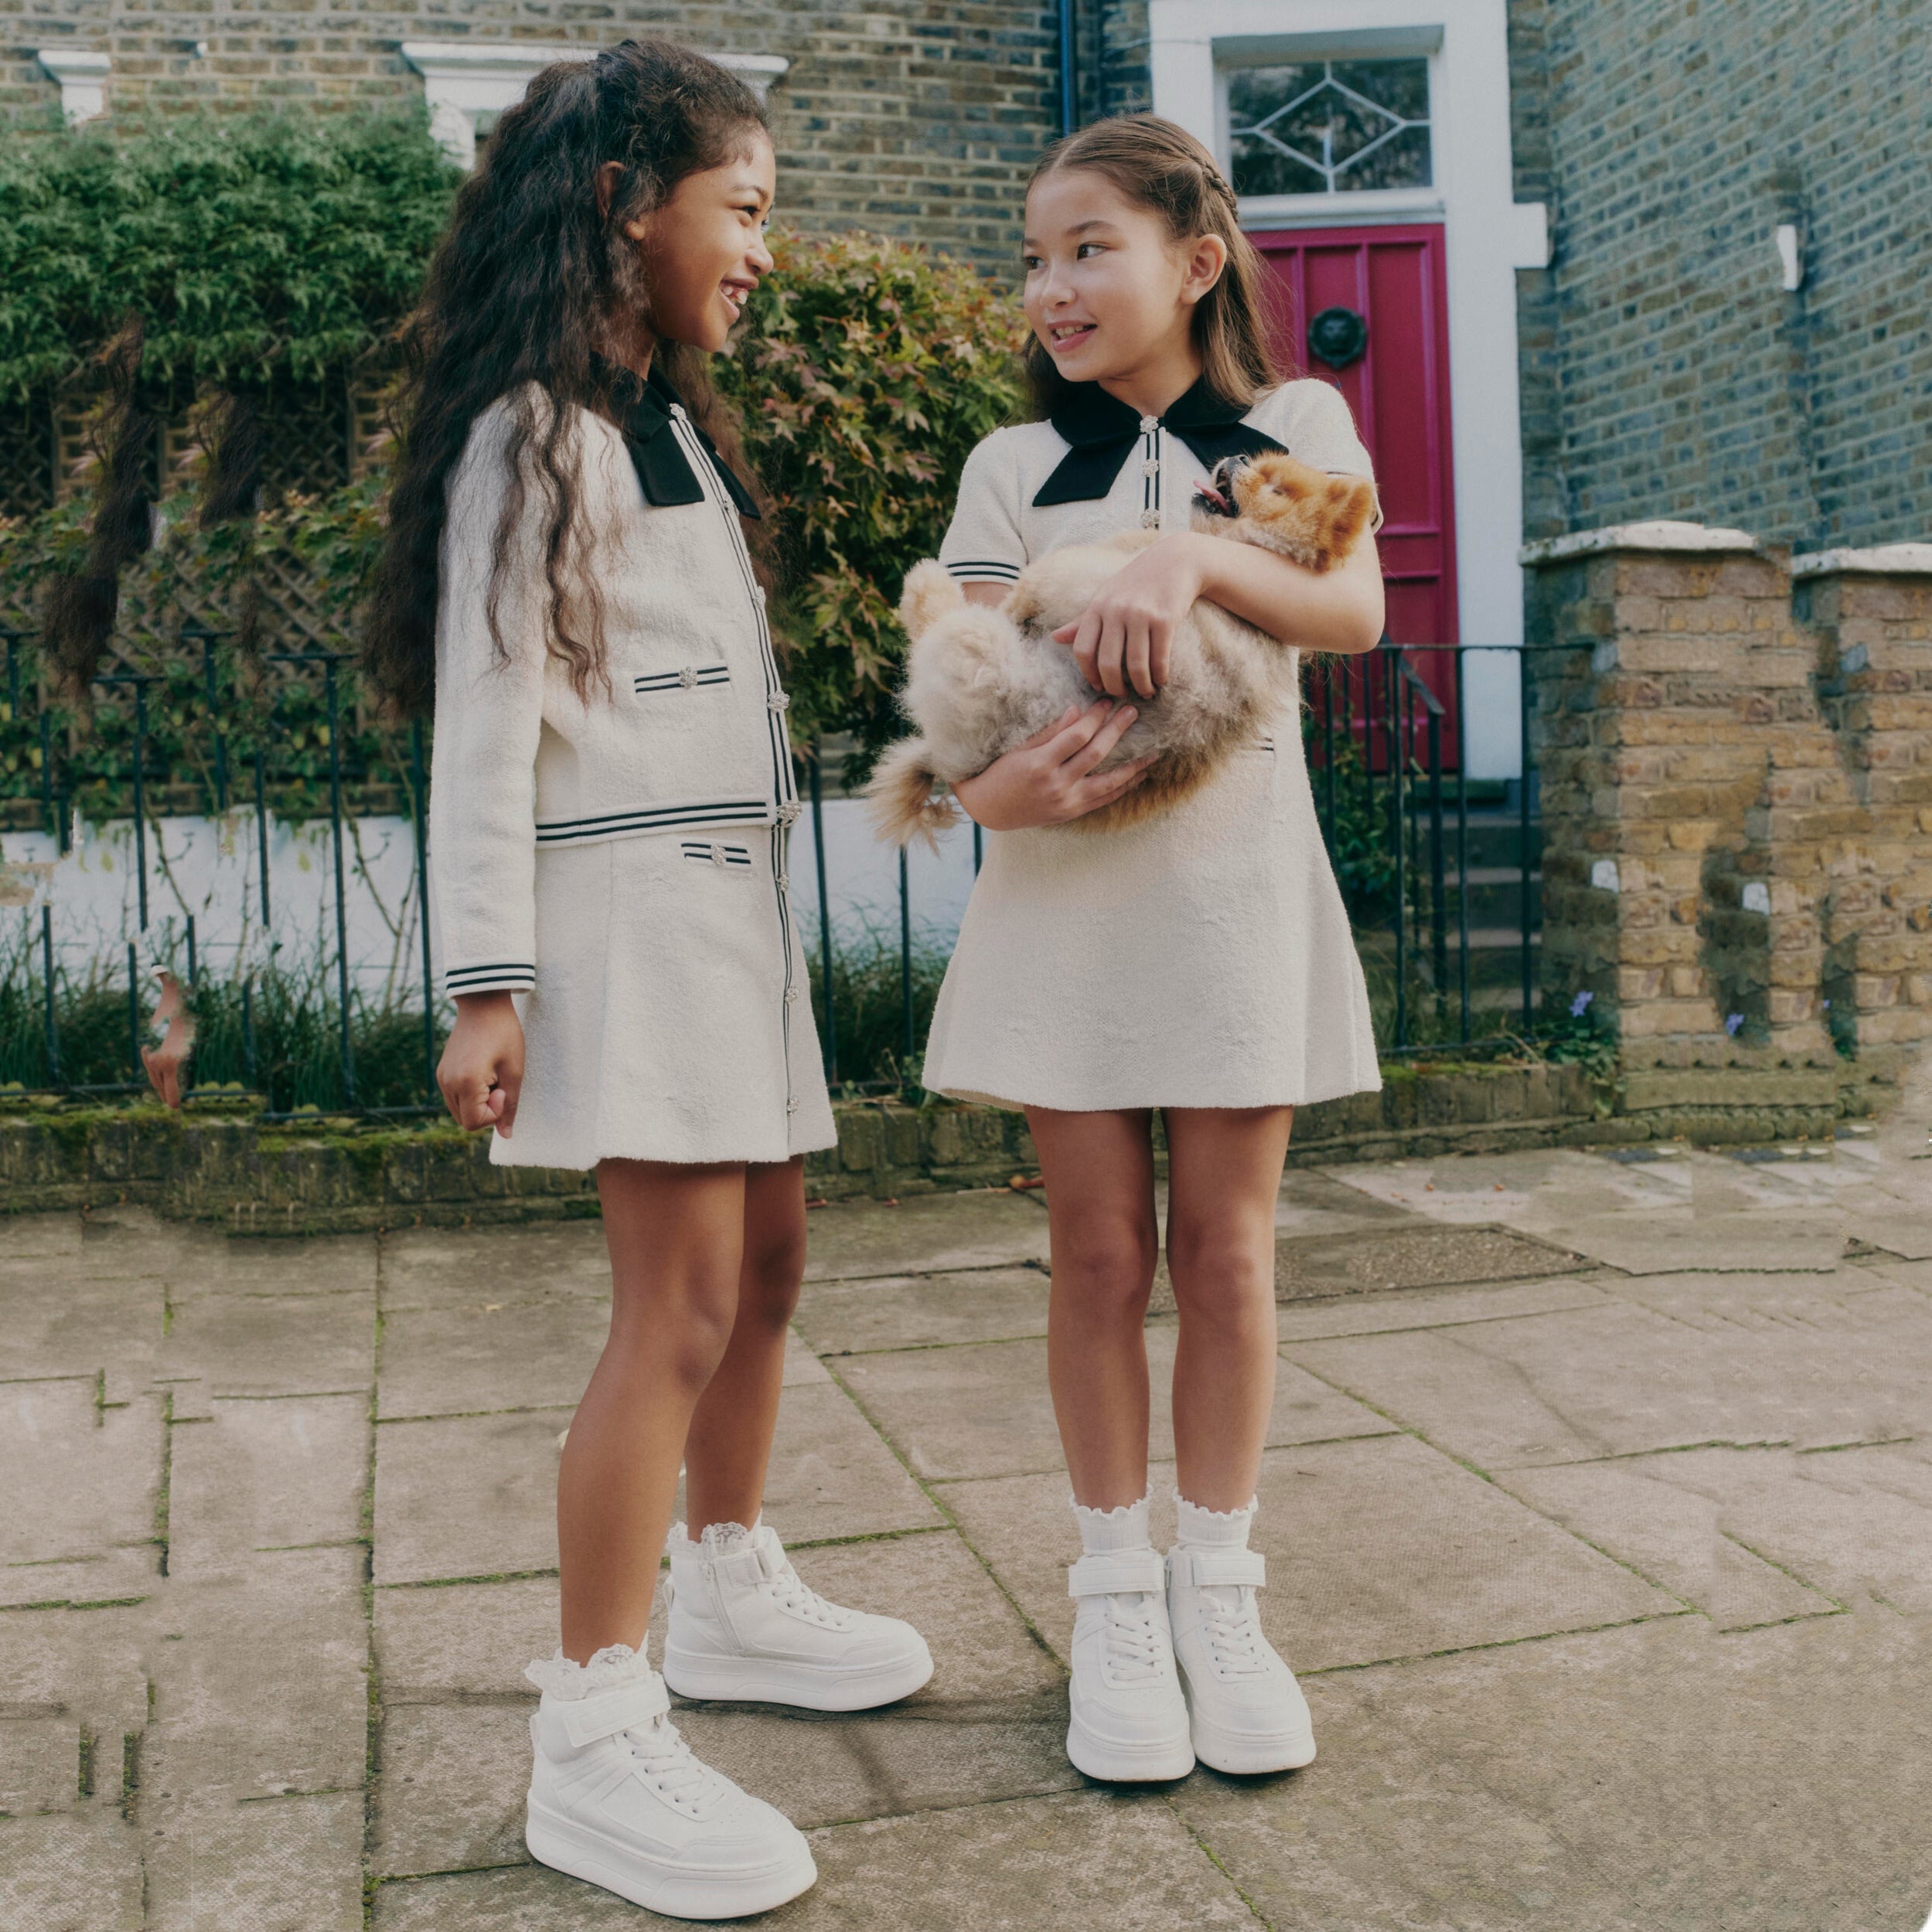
{"type": "Point", "coordinates": [674, 680]}
{"type": "Point", "coordinates": [666, 818]}
{"type": "Point", "coordinates": [983, 567]}
{"type": "Point", "coordinates": [497, 965]}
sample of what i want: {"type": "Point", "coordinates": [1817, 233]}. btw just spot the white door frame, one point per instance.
{"type": "Point", "coordinates": [1487, 236]}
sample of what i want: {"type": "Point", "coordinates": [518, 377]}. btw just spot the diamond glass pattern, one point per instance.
{"type": "Point", "coordinates": [1327, 127]}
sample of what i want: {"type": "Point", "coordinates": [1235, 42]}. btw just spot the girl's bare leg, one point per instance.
{"type": "Point", "coordinates": [1224, 1171]}
{"type": "Point", "coordinates": [1100, 1177]}
{"type": "Point", "coordinates": [729, 1442]}
{"type": "Point", "coordinates": [676, 1237]}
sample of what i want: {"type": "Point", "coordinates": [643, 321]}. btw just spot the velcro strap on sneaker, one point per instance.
{"type": "Point", "coordinates": [605, 1713]}
{"type": "Point", "coordinates": [1117, 1572]}
{"type": "Point", "coordinates": [1219, 1569]}
{"type": "Point", "coordinates": [742, 1565]}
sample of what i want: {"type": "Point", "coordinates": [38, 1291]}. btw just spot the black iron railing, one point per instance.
{"type": "Point", "coordinates": [1439, 869]}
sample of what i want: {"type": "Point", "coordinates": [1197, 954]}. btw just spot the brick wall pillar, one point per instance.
{"type": "Point", "coordinates": [1737, 785]}
{"type": "Point", "coordinates": [1870, 613]}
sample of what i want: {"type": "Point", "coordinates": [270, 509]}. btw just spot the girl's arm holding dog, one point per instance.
{"type": "Point", "coordinates": [1121, 640]}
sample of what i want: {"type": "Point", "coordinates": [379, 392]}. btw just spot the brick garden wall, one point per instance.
{"type": "Point", "coordinates": [919, 120]}
{"type": "Point", "coordinates": [1665, 371]}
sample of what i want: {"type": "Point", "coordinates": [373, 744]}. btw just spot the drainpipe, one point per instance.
{"type": "Point", "coordinates": [1069, 58]}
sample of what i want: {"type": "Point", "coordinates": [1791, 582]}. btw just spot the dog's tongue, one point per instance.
{"type": "Point", "coordinates": [1209, 494]}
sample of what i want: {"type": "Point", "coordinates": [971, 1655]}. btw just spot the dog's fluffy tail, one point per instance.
{"type": "Point", "coordinates": [905, 804]}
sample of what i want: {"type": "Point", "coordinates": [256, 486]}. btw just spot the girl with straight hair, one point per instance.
{"type": "Point", "coordinates": [1199, 961]}
{"type": "Point", "coordinates": [573, 578]}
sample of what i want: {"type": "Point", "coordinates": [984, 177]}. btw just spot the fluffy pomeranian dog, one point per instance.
{"type": "Point", "coordinates": [980, 680]}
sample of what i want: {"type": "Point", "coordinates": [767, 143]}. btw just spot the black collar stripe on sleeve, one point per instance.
{"type": "Point", "coordinates": [1100, 431]}
{"type": "Point", "coordinates": [663, 469]}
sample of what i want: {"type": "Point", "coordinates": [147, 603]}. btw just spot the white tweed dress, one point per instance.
{"type": "Point", "coordinates": [1203, 957]}
{"type": "Point", "coordinates": [619, 863]}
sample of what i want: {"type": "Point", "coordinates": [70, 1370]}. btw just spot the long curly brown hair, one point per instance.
{"type": "Point", "coordinates": [513, 308]}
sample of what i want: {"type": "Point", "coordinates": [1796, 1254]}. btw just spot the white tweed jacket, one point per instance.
{"type": "Point", "coordinates": [689, 735]}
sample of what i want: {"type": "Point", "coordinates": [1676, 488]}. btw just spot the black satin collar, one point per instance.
{"type": "Point", "coordinates": [644, 415]}
{"type": "Point", "coordinates": [1101, 431]}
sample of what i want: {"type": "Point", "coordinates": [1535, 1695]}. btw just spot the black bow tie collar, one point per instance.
{"type": "Point", "coordinates": [662, 468]}
{"type": "Point", "coordinates": [1102, 430]}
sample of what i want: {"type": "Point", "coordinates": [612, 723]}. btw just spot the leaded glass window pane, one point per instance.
{"type": "Point", "coordinates": [1328, 127]}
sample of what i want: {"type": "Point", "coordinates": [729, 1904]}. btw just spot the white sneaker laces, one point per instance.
{"type": "Point", "coordinates": [1234, 1633]}
{"type": "Point", "coordinates": [667, 1762]}
{"type": "Point", "coordinates": [1134, 1650]}
{"type": "Point", "coordinates": [791, 1592]}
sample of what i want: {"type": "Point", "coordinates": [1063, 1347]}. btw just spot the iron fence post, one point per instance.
{"type": "Point", "coordinates": [1462, 851]}
{"type": "Point", "coordinates": [825, 919]}
{"type": "Point", "coordinates": [1522, 823]}
{"type": "Point", "coordinates": [342, 906]}
{"type": "Point", "coordinates": [46, 973]}
{"type": "Point", "coordinates": [133, 1015]}
{"type": "Point", "coordinates": [261, 823]}
{"type": "Point", "coordinates": [905, 968]}
{"type": "Point", "coordinates": [419, 808]}
{"type": "Point", "coordinates": [1438, 909]}
{"type": "Point", "coordinates": [140, 795]}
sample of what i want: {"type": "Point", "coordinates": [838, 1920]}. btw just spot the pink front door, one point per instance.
{"type": "Point", "coordinates": [1399, 389]}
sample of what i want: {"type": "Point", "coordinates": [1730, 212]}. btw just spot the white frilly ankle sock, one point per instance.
{"type": "Point", "coordinates": [1200, 1528]}
{"type": "Point", "coordinates": [614, 1664]}
{"type": "Point", "coordinates": [1104, 1531]}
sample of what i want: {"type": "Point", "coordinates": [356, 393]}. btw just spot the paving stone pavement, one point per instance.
{"type": "Point", "coordinates": [1597, 1505]}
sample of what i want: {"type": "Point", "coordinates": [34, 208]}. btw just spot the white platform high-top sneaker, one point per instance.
{"type": "Point", "coordinates": [744, 1625]}
{"type": "Point", "coordinates": [617, 1798]}
{"type": "Point", "coordinates": [1128, 1722]}
{"type": "Point", "coordinates": [1247, 1711]}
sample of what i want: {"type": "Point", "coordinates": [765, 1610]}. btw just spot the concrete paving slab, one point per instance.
{"type": "Point", "coordinates": [82, 1480]}
{"type": "Point", "coordinates": [77, 1870]}
{"type": "Point", "coordinates": [802, 1367]}
{"type": "Point", "coordinates": [1627, 1379]}
{"type": "Point", "coordinates": [1674, 1208]}
{"type": "Point", "coordinates": [986, 1410]}
{"type": "Point", "coordinates": [1853, 1524]}
{"type": "Point", "coordinates": [925, 1234]}
{"type": "Point", "coordinates": [1376, 1549]}
{"type": "Point", "coordinates": [40, 1238]}
{"type": "Point", "coordinates": [260, 1683]}
{"type": "Point", "coordinates": [450, 1794]}
{"type": "Point", "coordinates": [831, 1475]}
{"type": "Point", "coordinates": [265, 1473]}
{"type": "Point", "coordinates": [39, 1763]}
{"type": "Point", "coordinates": [288, 1865]}
{"type": "Point", "coordinates": [1670, 1533]}
{"type": "Point", "coordinates": [1773, 1782]}
{"type": "Point", "coordinates": [464, 1268]}
{"type": "Point", "coordinates": [1085, 1858]}
{"type": "Point", "coordinates": [462, 1639]}
{"type": "Point", "coordinates": [1314, 1201]}
{"type": "Point", "coordinates": [63, 1319]}
{"type": "Point", "coordinates": [493, 1356]}
{"type": "Point", "coordinates": [1412, 1257]}
{"type": "Point", "coordinates": [204, 1261]}
{"type": "Point", "coordinates": [90, 1665]}
{"type": "Point", "coordinates": [269, 1344]}
{"type": "Point", "coordinates": [920, 1311]}
{"type": "Point", "coordinates": [1435, 1308]}
{"type": "Point", "coordinates": [466, 1496]}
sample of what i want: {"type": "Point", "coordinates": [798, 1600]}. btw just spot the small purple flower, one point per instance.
{"type": "Point", "coordinates": [1733, 1021]}
{"type": "Point", "coordinates": [1580, 1005]}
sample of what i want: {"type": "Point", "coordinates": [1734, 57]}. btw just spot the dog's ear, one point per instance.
{"type": "Point", "coordinates": [929, 593]}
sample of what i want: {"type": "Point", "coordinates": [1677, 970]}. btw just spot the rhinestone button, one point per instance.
{"type": "Point", "coordinates": [1150, 519]}
{"type": "Point", "coordinates": [778, 701]}
{"type": "Point", "coordinates": [677, 412]}
{"type": "Point", "coordinates": [717, 856]}
{"type": "Point", "coordinates": [790, 996]}
{"type": "Point", "coordinates": [687, 677]}
{"type": "Point", "coordinates": [789, 814]}
{"type": "Point", "coordinates": [757, 590]}
{"type": "Point", "coordinates": [790, 1106]}
{"type": "Point", "coordinates": [785, 882]}
{"type": "Point", "coordinates": [1150, 468]}
{"type": "Point", "coordinates": [1148, 424]}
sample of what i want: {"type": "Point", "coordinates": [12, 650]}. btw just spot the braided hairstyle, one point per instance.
{"type": "Point", "coordinates": [513, 308]}
{"type": "Point", "coordinates": [1158, 165]}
